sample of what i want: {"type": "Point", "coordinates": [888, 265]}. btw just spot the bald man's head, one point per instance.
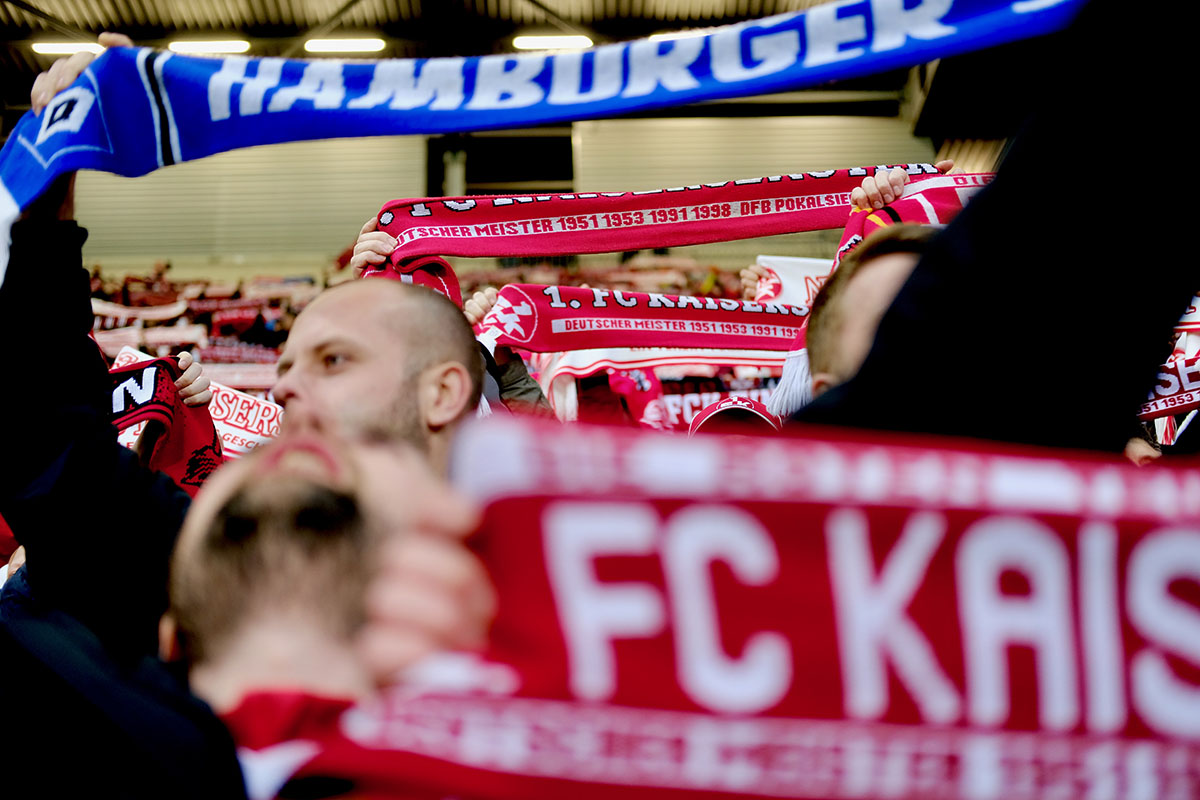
{"type": "Point", "coordinates": [380, 359]}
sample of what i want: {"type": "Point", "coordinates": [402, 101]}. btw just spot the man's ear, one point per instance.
{"type": "Point", "coordinates": [823, 382]}
{"type": "Point", "coordinates": [169, 646]}
{"type": "Point", "coordinates": [445, 392]}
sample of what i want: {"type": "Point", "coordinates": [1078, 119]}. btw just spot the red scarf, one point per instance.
{"type": "Point", "coordinates": [190, 449]}
{"type": "Point", "coordinates": [553, 318]}
{"type": "Point", "coordinates": [608, 222]}
{"type": "Point", "coordinates": [927, 201]}
{"type": "Point", "coordinates": [816, 617]}
{"type": "Point", "coordinates": [1177, 390]}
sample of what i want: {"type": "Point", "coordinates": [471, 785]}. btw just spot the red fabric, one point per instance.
{"type": "Point", "coordinates": [432, 272]}
{"type": "Point", "coordinates": [642, 392]}
{"type": "Point", "coordinates": [926, 201]}
{"type": "Point", "coordinates": [753, 415]}
{"type": "Point", "coordinates": [190, 449]}
{"type": "Point", "coordinates": [818, 617]}
{"type": "Point", "coordinates": [262, 719]}
{"type": "Point", "coordinates": [1190, 321]}
{"type": "Point", "coordinates": [8, 542]}
{"type": "Point", "coordinates": [554, 318]}
{"type": "Point", "coordinates": [589, 222]}
{"type": "Point", "coordinates": [1177, 390]}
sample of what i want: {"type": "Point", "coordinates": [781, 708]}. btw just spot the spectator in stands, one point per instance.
{"type": "Point", "coordinates": [846, 311]}
{"type": "Point", "coordinates": [271, 581]}
{"type": "Point", "coordinates": [381, 359]}
{"type": "Point", "coordinates": [506, 379]}
{"type": "Point", "coordinates": [77, 645]}
{"type": "Point", "coordinates": [977, 341]}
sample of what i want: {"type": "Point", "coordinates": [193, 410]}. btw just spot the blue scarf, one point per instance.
{"type": "Point", "coordinates": [135, 110]}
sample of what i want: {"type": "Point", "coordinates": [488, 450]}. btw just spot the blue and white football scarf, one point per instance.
{"type": "Point", "coordinates": [135, 110]}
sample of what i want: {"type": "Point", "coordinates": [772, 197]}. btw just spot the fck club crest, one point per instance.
{"type": "Point", "coordinates": [769, 287]}
{"type": "Point", "coordinates": [517, 319]}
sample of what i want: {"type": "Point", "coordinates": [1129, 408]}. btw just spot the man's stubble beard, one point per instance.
{"type": "Point", "coordinates": [398, 420]}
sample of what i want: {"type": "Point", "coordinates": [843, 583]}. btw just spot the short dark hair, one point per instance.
{"type": "Point", "coordinates": [824, 319]}
{"type": "Point", "coordinates": [293, 544]}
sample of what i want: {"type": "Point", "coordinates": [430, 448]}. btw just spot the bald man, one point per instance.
{"type": "Point", "coordinates": [382, 360]}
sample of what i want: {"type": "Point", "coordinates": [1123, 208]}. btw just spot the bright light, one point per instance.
{"type": "Point", "coordinates": [201, 47]}
{"type": "Point", "coordinates": [673, 35]}
{"type": "Point", "coordinates": [344, 45]}
{"type": "Point", "coordinates": [564, 42]}
{"type": "Point", "coordinates": [66, 48]}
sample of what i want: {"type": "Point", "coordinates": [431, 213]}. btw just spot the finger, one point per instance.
{"type": "Point", "coordinates": [369, 256]}
{"type": "Point", "coordinates": [945, 165]}
{"type": "Point", "coordinates": [185, 359]}
{"type": "Point", "coordinates": [188, 377]}
{"type": "Point", "coordinates": [429, 558]}
{"type": "Point", "coordinates": [56, 69]}
{"type": "Point", "coordinates": [473, 312]}
{"type": "Point", "coordinates": [384, 245]}
{"type": "Point", "coordinates": [76, 64]}
{"type": "Point", "coordinates": [492, 294]}
{"type": "Point", "coordinates": [16, 560]}
{"type": "Point", "coordinates": [435, 507]}
{"type": "Point", "coordinates": [485, 301]}
{"type": "Point", "coordinates": [896, 180]}
{"type": "Point", "coordinates": [46, 85]}
{"type": "Point", "coordinates": [39, 94]}
{"type": "Point", "coordinates": [372, 251]}
{"type": "Point", "coordinates": [870, 187]}
{"type": "Point", "coordinates": [109, 39]}
{"type": "Point", "coordinates": [370, 225]}
{"type": "Point", "coordinates": [447, 593]}
{"type": "Point", "coordinates": [202, 399]}
{"type": "Point", "coordinates": [379, 243]}
{"type": "Point", "coordinates": [202, 384]}
{"type": "Point", "coordinates": [439, 614]}
{"type": "Point", "coordinates": [858, 198]}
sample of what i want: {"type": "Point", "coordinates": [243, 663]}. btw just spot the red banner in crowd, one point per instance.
{"type": "Point", "coordinates": [552, 318]}
{"type": "Point", "coordinates": [242, 421]}
{"type": "Point", "coordinates": [605, 222]}
{"type": "Point", "coordinates": [206, 304]}
{"type": "Point", "coordinates": [1177, 390]}
{"type": "Point", "coordinates": [821, 617]}
{"type": "Point", "coordinates": [239, 353]}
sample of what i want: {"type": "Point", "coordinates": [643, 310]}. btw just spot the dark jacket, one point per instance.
{"type": "Point", "coordinates": [1041, 314]}
{"type": "Point", "coordinates": [81, 685]}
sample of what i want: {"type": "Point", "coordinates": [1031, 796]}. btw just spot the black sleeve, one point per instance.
{"type": "Point", "coordinates": [98, 528]}
{"type": "Point", "coordinates": [1032, 319]}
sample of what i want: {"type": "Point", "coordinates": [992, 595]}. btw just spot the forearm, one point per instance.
{"type": "Point", "coordinates": [518, 390]}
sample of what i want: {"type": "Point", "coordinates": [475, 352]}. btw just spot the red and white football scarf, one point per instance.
{"type": "Point", "coordinates": [1177, 390]}
{"type": "Point", "coordinates": [928, 201]}
{"type": "Point", "coordinates": [189, 450]}
{"type": "Point", "coordinates": [552, 318]}
{"type": "Point", "coordinates": [242, 420]}
{"type": "Point", "coordinates": [1190, 321]}
{"type": "Point", "coordinates": [609, 222]}
{"type": "Point", "coordinates": [818, 617]}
